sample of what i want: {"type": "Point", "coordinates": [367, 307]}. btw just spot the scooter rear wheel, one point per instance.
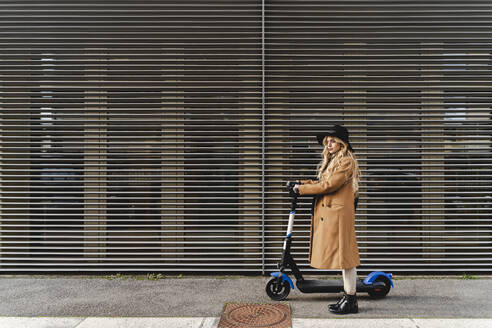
{"type": "Point", "coordinates": [276, 291]}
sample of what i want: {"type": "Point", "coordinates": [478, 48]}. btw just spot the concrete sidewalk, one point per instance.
{"type": "Point", "coordinates": [210, 322]}
{"type": "Point", "coordinates": [74, 301]}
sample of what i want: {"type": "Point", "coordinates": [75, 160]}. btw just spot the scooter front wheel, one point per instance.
{"type": "Point", "coordinates": [277, 291]}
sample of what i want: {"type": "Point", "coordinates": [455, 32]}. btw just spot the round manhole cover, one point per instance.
{"type": "Point", "coordinates": [255, 316]}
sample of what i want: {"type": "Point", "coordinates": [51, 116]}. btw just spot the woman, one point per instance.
{"type": "Point", "coordinates": [333, 241]}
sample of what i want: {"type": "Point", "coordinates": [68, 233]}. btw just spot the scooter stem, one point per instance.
{"type": "Point", "coordinates": [293, 205]}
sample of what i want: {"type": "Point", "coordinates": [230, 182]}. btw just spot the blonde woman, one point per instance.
{"type": "Point", "coordinates": [333, 241]}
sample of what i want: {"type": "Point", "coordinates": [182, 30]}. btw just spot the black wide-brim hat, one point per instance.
{"type": "Point", "coordinates": [338, 131]}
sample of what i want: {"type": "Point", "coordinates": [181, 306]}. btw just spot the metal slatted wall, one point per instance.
{"type": "Point", "coordinates": [412, 82]}
{"type": "Point", "coordinates": [131, 135]}
{"type": "Point", "coordinates": [156, 136]}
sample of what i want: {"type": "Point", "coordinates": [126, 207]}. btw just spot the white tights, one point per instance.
{"type": "Point", "coordinates": [349, 280]}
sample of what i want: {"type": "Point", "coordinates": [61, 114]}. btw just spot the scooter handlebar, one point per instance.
{"type": "Point", "coordinates": [293, 195]}
{"type": "Point", "coordinates": [290, 185]}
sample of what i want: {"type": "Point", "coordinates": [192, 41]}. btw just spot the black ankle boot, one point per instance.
{"type": "Point", "coordinates": [348, 305]}
{"type": "Point", "coordinates": [337, 304]}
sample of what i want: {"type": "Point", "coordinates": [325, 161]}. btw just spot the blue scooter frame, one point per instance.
{"type": "Point", "coordinates": [377, 284]}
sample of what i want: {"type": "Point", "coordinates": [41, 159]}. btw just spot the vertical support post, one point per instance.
{"type": "Point", "coordinates": [95, 181]}
{"type": "Point", "coordinates": [1, 180]}
{"type": "Point", "coordinates": [433, 196]}
{"type": "Point", "coordinates": [263, 137]}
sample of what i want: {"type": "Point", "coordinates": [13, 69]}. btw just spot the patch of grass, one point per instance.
{"type": "Point", "coordinates": [112, 276]}
{"type": "Point", "coordinates": [149, 276]}
{"type": "Point", "coordinates": [467, 277]}
{"type": "Point", "coordinates": [153, 276]}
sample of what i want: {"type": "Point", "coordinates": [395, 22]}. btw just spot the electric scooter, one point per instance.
{"type": "Point", "coordinates": [377, 284]}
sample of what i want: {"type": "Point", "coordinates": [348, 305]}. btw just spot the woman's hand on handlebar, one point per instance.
{"type": "Point", "coordinates": [296, 188]}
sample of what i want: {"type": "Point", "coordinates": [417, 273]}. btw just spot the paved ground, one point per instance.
{"type": "Point", "coordinates": [54, 322]}
{"type": "Point", "coordinates": [198, 302]}
{"type": "Point", "coordinates": [206, 296]}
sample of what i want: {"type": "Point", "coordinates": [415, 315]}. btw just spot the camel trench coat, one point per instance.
{"type": "Point", "coordinates": [333, 244]}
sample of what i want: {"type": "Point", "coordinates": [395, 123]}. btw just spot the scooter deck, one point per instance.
{"type": "Point", "coordinates": [332, 286]}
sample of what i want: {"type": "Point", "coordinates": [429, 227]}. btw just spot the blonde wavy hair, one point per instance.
{"type": "Point", "coordinates": [329, 163]}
